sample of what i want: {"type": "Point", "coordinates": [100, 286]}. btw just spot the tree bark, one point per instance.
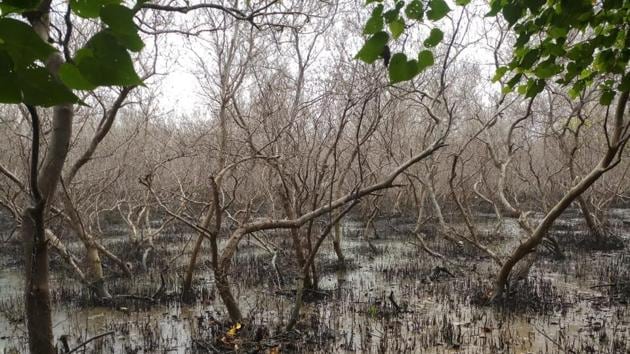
{"type": "Point", "coordinates": [297, 305]}
{"type": "Point", "coordinates": [37, 292]}
{"type": "Point", "coordinates": [508, 209]}
{"type": "Point", "coordinates": [187, 293]}
{"type": "Point", "coordinates": [216, 212]}
{"type": "Point", "coordinates": [337, 244]}
{"type": "Point", "coordinates": [223, 287]}
{"type": "Point", "coordinates": [54, 242]}
{"type": "Point", "coordinates": [95, 275]}
{"type": "Point", "coordinates": [43, 185]}
{"type": "Point", "coordinates": [589, 219]}
{"type": "Point", "coordinates": [295, 237]}
{"type": "Point", "coordinates": [616, 143]}
{"type": "Point", "coordinates": [224, 262]}
{"type": "Point", "coordinates": [94, 267]}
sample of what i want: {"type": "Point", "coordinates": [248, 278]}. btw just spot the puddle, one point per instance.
{"type": "Point", "coordinates": [358, 314]}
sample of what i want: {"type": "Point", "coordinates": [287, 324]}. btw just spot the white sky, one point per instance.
{"type": "Point", "coordinates": [181, 93]}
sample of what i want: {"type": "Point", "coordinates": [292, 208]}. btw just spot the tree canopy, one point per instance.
{"type": "Point", "coordinates": [104, 60]}
{"type": "Point", "coordinates": [575, 43]}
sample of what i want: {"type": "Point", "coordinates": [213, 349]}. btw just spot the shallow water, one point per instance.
{"type": "Point", "coordinates": [358, 315]}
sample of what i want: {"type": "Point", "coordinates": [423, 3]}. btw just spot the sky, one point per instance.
{"type": "Point", "coordinates": [181, 93]}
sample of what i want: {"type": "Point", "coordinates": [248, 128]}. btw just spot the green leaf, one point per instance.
{"type": "Point", "coordinates": [437, 10]}
{"type": "Point", "coordinates": [557, 32]}
{"type": "Point", "coordinates": [579, 10]}
{"type": "Point", "coordinates": [577, 89]}
{"type": "Point", "coordinates": [522, 39]}
{"type": "Point", "coordinates": [18, 6]}
{"type": "Point", "coordinates": [605, 61]}
{"type": "Point", "coordinates": [625, 83]}
{"type": "Point", "coordinates": [40, 88]}
{"type": "Point", "coordinates": [495, 7]}
{"type": "Point", "coordinates": [514, 80]}
{"type": "Point", "coordinates": [397, 27]}
{"type": "Point", "coordinates": [547, 69]}
{"type": "Point", "coordinates": [535, 6]}
{"type": "Point", "coordinates": [435, 37]}
{"type": "Point", "coordinates": [425, 59]}
{"type": "Point", "coordinates": [375, 22]}
{"type": "Point", "coordinates": [22, 4]}
{"type": "Point", "coordinates": [90, 8]}
{"type": "Point", "coordinates": [607, 97]}
{"type": "Point", "coordinates": [611, 4]}
{"type": "Point", "coordinates": [86, 8]}
{"type": "Point", "coordinates": [73, 78]}
{"type": "Point", "coordinates": [414, 10]}
{"type": "Point", "coordinates": [530, 56]}
{"type": "Point", "coordinates": [22, 43]}
{"type": "Point", "coordinates": [512, 12]}
{"type": "Point", "coordinates": [120, 21]}
{"type": "Point", "coordinates": [391, 15]}
{"type": "Point", "coordinates": [9, 89]}
{"type": "Point", "coordinates": [373, 47]}
{"type": "Point", "coordinates": [119, 18]}
{"type": "Point", "coordinates": [534, 87]}
{"type": "Point", "coordinates": [554, 49]}
{"type": "Point", "coordinates": [401, 69]}
{"type": "Point", "coordinates": [498, 75]}
{"type": "Point", "coordinates": [104, 62]}
{"type": "Point", "coordinates": [462, 2]}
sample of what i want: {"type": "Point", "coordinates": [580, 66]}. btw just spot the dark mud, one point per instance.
{"type": "Point", "coordinates": [389, 297]}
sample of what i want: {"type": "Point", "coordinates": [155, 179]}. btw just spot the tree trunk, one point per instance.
{"type": "Point", "coordinates": [437, 209]}
{"type": "Point", "coordinates": [297, 305]}
{"type": "Point", "coordinates": [223, 287]}
{"type": "Point", "coordinates": [54, 242]}
{"type": "Point", "coordinates": [295, 237]}
{"type": "Point", "coordinates": [37, 292]}
{"type": "Point", "coordinates": [338, 230]}
{"type": "Point", "coordinates": [216, 212]}
{"type": "Point", "coordinates": [313, 267]}
{"type": "Point", "coordinates": [95, 274]}
{"type": "Point", "coordinates": [43, 185]}
{"type": "Point", "coordinates": [299, 253]}
{"type": "Point", "coordinates": [615, 144]}
{"type": "Point", "coordinates": [187, 293]}
{"type": "Point", "coordinates": [590, 220]}
{"type": "Point", "coordinates": [112, 257]}
{"type": "Point", "coordinates": [508, 209]}
{"type": "Point", "coordinates": [337, 244]}
{"type": "Point", "coordinates": [224, 262]}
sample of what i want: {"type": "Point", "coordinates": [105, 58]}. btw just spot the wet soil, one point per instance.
{"type": "Point", "coordinates": [390, 297]}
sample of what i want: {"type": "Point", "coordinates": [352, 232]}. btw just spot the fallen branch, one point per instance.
{"type": "Point", "coordinates": [90, 340]}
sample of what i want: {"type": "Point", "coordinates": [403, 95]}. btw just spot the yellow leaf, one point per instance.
{"type": "Point", "coordinates": [233, 330]}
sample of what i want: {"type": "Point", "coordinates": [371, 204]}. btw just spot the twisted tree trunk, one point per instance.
{"type": "Point", "coordinates": [224, 262]}
{"type": "Point", "coordinates": [616, 143]}
{"type": "Point", "coordinates": [43, 184]}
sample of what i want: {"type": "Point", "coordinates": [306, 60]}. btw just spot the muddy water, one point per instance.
{"type": "Point", "coordinates": [355, 312]}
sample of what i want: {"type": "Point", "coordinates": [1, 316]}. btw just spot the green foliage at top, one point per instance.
{"type": "Point", "coordinates": [397, 17]}
{"type": "Point", "coordinates": [104, 60]}
{"type": "Point", "coordinates": [575, 43]}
